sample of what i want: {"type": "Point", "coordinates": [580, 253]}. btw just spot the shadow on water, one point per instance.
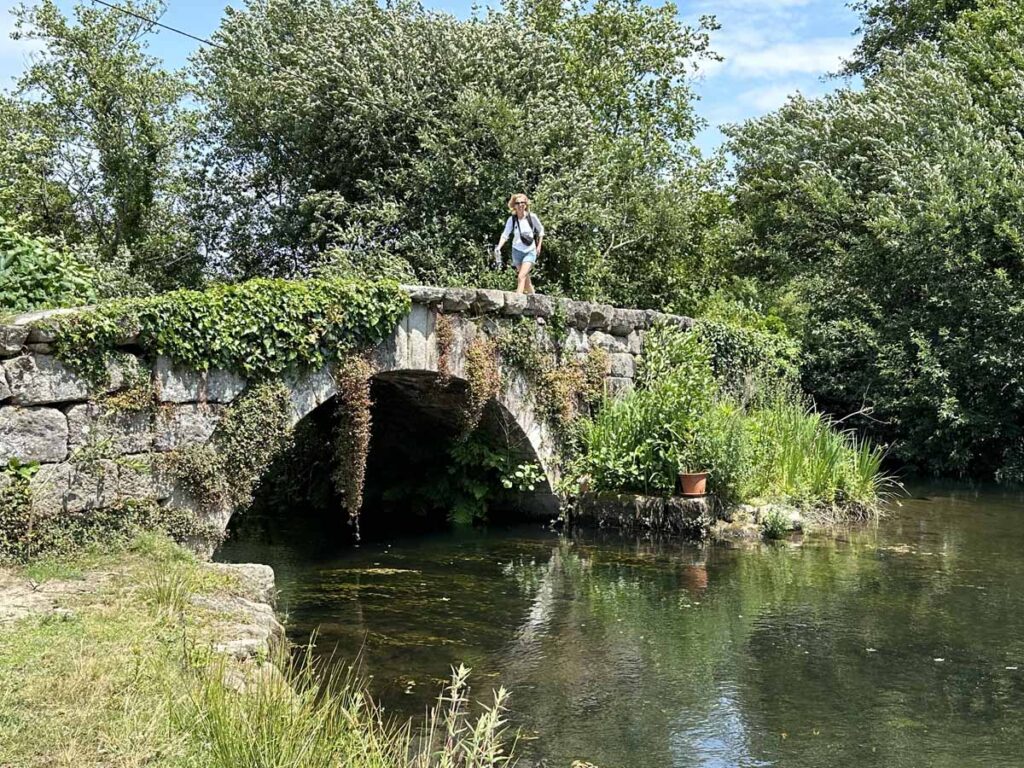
{"type": "Point", "coordinates": [894, 644]}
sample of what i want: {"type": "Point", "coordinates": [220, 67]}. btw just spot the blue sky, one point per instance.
{"type": "Point", "coordinates": [771, 48]}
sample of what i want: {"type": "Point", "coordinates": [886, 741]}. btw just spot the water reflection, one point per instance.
{"type": "Point", "coordinates": [900, 644]}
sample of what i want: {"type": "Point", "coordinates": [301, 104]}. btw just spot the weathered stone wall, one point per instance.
{"type": "Point", "coordinates": [48, 413]}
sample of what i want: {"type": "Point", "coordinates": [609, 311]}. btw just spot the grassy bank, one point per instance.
{"type": "Point", "coordinates": [122, 673]}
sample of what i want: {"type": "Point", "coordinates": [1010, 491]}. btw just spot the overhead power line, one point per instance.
{"type": "Point", "coordinates": [155, 23]}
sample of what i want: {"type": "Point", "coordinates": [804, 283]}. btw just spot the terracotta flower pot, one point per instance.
{"type": "Point", "coordinates": [693, 483]}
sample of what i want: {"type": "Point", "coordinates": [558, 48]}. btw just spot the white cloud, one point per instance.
{"type": "Point", "coordinates": [771, 97]}
{"type": "Point", "coordinates": [815, 56]}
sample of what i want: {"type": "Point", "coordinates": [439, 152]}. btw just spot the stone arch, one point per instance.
{"type": "Point", "coordinates": [414, 347]}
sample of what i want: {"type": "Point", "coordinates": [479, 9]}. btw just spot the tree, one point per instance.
{"type": "Point", "coordinates": [344, 129]}
{"type": "Point", "coordinates": [95, 142]}
{"type": "Point", "coordinates": [890, 27]}
{"type": "Point", "coordinates": [897, 213]}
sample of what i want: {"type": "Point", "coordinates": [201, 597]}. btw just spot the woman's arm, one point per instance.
{"type": "Point", "coordinates": [505, 234]}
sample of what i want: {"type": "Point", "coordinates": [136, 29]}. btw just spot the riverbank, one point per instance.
{"type": "Point", "coordinates": [100, 656]}
{"type": "Point", "coordinates": [148, 656]}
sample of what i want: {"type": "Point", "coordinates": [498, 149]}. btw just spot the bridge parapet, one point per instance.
{"type": "Point", "coordinates": [51, 415]}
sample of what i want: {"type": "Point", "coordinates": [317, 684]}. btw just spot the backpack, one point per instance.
{"type": "Point", "coordinates": [534, 225]}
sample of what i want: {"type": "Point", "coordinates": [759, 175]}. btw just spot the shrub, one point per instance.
{"type": "Point", "coordinates": [680, 418]}
{"type": "Point", "coordinates": [774, 524]}
{"type": "Point", "coordinates": [36, 275]}
{"type": "Point", "coordinates": [742, 355]}
{"type": "Point", "coordinates": [641, 441]}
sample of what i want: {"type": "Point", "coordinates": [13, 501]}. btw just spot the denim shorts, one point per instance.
{"type": "Point", "coordinates": [518, 257]}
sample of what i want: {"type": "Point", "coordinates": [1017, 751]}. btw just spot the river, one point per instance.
{"type": "Point", "coordinates": [899, 643]}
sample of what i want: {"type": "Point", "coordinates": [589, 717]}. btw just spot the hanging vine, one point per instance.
{"type": "Point", "coordinates": [445, 333]}
{"type": "Point", "coordinates": [352, 431]}
{"type": "Point", "coordinates": [483, 373]}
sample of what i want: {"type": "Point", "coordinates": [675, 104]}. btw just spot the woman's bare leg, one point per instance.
{"type": "Point", "coordinates": [524, 278]}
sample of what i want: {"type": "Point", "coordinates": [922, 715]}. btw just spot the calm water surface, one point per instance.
{"type": "Point", "coordinates": [900, 644]}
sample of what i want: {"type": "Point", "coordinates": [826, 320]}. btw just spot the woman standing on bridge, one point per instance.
{"type": "Point", "coordinates": [527, 233]}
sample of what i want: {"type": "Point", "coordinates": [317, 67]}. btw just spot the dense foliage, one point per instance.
{"type": "Point", "coordinates": [94, 147]}
{"type": "Point", "coordinates": [767, 444]}
{"type": "Point", "coordinates": [897, 214]}
{"type": "Point", "coordinates": [34, 274]}
{"type": "Point", "coordinates": [389, 138]}
{"type": "Point", "coordinates": [257, 328]}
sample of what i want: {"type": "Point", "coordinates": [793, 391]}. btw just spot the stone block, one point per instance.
{"type": "Point", "coordinates": [33, 434]}
{"type": "Point", "coordinates": [622, 322]}
{"type": "Point", "coordinates": [677, 321]}
{"type": "Point", "coordinates": [144, 476]}
{"type": "Point", "coordinates": [458, 299]}
{"type": "Point", "coordinates": [515, 304]}
{"type": "Point", "coordinates": [576, 341]}
{"type": "Point", "coordinates": [488, 301]}
{"type": "Point", "coordinates": [615, 386]}
{"type": "Point", "coordinates": [385, 356]}
{"type": "Point", "coordinates": [42, 379]}
{"type": "Point", "coordinates": [5, 391]}
{"type": "Point", "coordinates": [41, 335]}
{"type": "Point", "coordinates": [538, 306]}
{"type": "Point", "coordinates": [424, 294]}
{"type": "Point", "coordinates": [127, 431]}
{"type": "Point", "coordinates": [311, 390]}
{"type": "Point", "coordinates": [12, 338]}
{"type": "Point", "coordinates": [607, 342]}
{"type": "Point", "coordinates": [420, 346]}
{"type": "Point", "coordinates": [91, 487]}
{"type": "Point", "coordinates": [49, 486]}
{"type": "Point", "coordinates": [180, 425]}
{"type": "Point", "coordinates": [621, 365]}
{"type": "Point", "coordinates": [635, 342]}
{"type": "Point", "coordinates": [600, 316]}
{"type": "Point", "coordinates": [180, 385]}
{"type": "Point", "coordinates": [578, 314]}
{"type": "Point", "coordinates": [256, 581]}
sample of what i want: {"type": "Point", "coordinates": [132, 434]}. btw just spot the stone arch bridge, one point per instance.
{"type": "Point", "coordinates": [47, 412]}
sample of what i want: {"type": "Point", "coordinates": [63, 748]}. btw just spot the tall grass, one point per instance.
{"type": "Point", "coordinates": [798, 454]}
{"type": "Point", "coordinates": [314, 719]}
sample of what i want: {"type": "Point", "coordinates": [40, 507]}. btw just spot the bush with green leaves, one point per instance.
{"type": "Point", "coordinates": [36, 274]}
{"type": "Point", "coordinates": [641, 442]}
{"type": "Point", "coordinates": [681, 419]}
{"type": "Point", "coordinates": [389, 137]}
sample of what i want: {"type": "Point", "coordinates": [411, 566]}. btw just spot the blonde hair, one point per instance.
{"type": "Point", "coordinates": [512, 201]}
